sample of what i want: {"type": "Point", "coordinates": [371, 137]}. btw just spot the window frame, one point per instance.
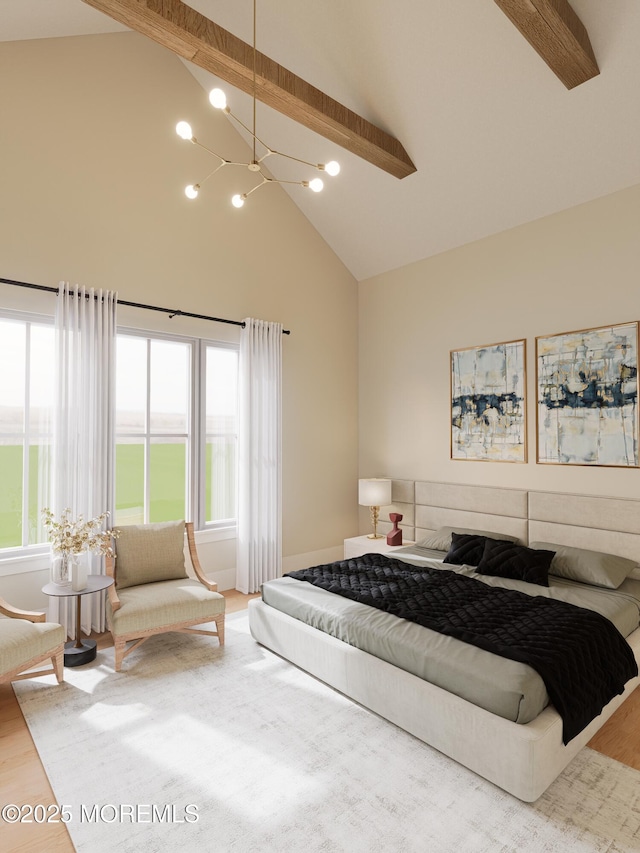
{"type": "Point", "coordinates": [148, 434]}
{"type": "Point", "coordinates": [195, 472]}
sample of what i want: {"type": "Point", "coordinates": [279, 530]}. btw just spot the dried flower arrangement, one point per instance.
{"type": "Point", "coordinates": [73, 536]}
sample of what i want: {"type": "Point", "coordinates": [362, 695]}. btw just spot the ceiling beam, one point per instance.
{"type": "Point", "coordinates": [190, 35]}
{"type": "Point", "coordinates": [554, 30]}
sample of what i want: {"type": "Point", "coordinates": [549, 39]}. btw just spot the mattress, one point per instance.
{"type": "Point", "coordinates": [507, 688]}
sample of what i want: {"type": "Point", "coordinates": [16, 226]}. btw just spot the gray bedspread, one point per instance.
{"type": "Point", "coordinates": [504, 687]}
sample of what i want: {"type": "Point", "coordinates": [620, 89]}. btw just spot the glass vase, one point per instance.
{"type": "Point", "coordinates": [62, 567]}
{"type": "Point", "coordinates": [79, 573]}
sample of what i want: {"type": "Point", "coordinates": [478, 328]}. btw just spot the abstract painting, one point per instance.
{"type": "Point", "coordinates": [588, 397]}
{"type": "Point", "coordinates": [488, 417]}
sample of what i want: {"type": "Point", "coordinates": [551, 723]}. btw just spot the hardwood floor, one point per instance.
{"type": "Point", "coordinates": [24, 782]}
{"type": "Point", "coordinates": [620, 737]}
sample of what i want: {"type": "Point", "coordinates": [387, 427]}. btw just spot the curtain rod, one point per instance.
{"type": "Point", "coordinates": [172, 312]}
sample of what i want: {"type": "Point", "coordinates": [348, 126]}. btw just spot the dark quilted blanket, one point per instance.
{"type": "Point", "coordinates": [582, 658]}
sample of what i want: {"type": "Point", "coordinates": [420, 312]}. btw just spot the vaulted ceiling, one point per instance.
{"type": "Point", "coordinates": [496, 138]}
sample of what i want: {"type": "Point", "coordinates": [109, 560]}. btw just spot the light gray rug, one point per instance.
{"type": "Point", "coordinates": [276, 761]}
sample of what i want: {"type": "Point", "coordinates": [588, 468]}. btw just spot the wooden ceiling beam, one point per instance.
{"type": "Point", "coordinates": [190, 35]}
{"type": "Point", "coordinates": [554, 30]}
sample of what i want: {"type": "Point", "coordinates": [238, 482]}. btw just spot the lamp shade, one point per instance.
{"type": "Point", "coordinates": [374, 492]}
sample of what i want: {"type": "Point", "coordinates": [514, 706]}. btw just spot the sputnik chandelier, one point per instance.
{"type": "Point", "coordinates": [217, 99]}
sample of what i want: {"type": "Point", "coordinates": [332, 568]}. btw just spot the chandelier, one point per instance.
{"type": "Point", "coordinates": [218, 100]}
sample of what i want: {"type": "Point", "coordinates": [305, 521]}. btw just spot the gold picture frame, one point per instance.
{"type": "Point", "coordinates": [587, 397]}
{"type": "Point", "coordinates": [488, 403]}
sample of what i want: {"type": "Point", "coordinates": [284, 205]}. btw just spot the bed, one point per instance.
{"type": "Point", "coordinates": [513, 737]}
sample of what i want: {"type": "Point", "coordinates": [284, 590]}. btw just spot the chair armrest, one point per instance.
{"type": "Point", "coordinates": [14, 613]}
{"type": "Point", "coordinates": [114, 601]}
{"type": "Point", "coordinates": [109, 566]}
{"type": "Point", "coordinates": [195, 562]}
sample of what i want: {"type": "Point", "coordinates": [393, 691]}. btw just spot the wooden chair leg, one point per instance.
{"type": "Point", "coordinates": [119, 648]}
{"type": "Point", "coordinates": [219, 620]}
{"type": "Point", "coordinates": [58, 665]}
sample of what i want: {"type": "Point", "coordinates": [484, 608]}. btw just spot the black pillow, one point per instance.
{"type": "Point", "coordinates": [466, 549]}
{"type": "Point", "coordinates": [507, 560]}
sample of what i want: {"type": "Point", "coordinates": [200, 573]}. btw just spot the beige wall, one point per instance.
{"type": "Point", "coordinates": [91, 188]}
{"type": "Point", "coordinates": [574, 270]}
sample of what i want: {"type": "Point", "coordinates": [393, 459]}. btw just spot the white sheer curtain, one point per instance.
{"type": "Point", "coordinates": [259, 555]}
{"type": "Point", "coordinates": [83, 433]}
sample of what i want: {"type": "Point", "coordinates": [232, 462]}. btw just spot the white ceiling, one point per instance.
{"type": "Point", "coordinates": [497, 139]}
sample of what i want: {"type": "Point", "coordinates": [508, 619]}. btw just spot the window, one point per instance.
{"type": "Point", "coordinates": [175, 421]}
{"type": "Point", "coordinates": [153, 429]}
{"type": "Point", "coordinates": [26, 407]}
{"type": "Point", "coordinates": [176, 432]}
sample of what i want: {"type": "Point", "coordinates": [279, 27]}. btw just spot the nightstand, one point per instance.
{"type": "Point", "coordinates": [358, 545]}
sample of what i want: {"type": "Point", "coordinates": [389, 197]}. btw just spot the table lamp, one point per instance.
{"type": "Point", "coordinates": [374, 493]}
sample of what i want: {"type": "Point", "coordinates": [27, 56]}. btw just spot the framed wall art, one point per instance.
{"type": "Point", "coordinates": [587, 397]}
{"type": "Point", "coordinates": [488, 410]}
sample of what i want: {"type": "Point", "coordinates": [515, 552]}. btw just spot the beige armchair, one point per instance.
{"type": "Point", "coordinates": [26, 640]}
{"type": "Point", "coordinates": [152, 593]}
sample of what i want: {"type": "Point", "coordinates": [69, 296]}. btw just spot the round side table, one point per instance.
{"type": "Point", "coordinates": [79, 651]}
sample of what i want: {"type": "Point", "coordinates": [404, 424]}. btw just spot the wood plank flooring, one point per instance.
{"type": "Point", "coordinates": [620, 737]}
{"type": "Point", "coordinates": [23, 780]}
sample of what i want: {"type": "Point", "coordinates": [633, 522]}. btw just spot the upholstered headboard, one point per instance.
{"type": "Point", "coordinates": [604, 524]}
{"type": "Point", "coordinates": [597, 523]}
{"type": "Point", "coordinates": [425, 506]}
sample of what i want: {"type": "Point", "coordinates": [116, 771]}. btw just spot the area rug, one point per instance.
{"type": "Point", "coordinates": [195, 748]}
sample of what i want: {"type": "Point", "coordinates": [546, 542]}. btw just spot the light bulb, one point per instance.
{"type": "Point", "coordinates": [217, 99]}
{"type": "Point", "coordinates": [316, 185]}
{"type": "Point", "coordinates": [238, 200]}
{"type": "Point", "coordinates": [332, 168]}
{"type": "Point", "coordinates": [183, 129]}
{"type": "Point", "coordinates": [191, 191]}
